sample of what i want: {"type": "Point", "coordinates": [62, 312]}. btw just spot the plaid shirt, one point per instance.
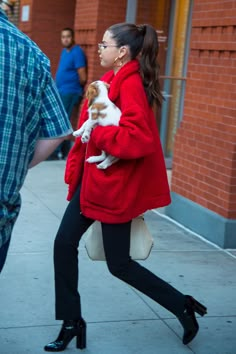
{"type": "Point", "coordinates": [30, 109]}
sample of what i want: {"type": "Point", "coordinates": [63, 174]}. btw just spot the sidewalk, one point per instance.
{"type": "Point", "coordinates": [120, 319]}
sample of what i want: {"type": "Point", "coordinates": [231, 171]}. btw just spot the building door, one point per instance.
{"type": "Point", "coordinates": [172, 20]}
{"type": "Point", "coordinates": [174, 78]}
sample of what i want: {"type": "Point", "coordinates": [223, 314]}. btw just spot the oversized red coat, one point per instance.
{"type": "Point", "coordinates": [138, 181]}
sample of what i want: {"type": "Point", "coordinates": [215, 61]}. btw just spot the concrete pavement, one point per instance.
{"type": "Point", "coordinates": [120, 319]}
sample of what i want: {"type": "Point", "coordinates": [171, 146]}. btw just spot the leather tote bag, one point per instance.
{"type": "Point", "coordinates": [141, 241]}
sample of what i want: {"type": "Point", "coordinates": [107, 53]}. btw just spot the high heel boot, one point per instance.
{"type": "Point", "coordinates": [188, 318]}
{"type": "Point", "coordinates": [69, 330]}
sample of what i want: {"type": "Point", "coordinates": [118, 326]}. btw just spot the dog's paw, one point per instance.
{"type": "Point", "coordinates": [92, 159]}
{"type": "Point", "coordinates": [77, 133]}
{"type": "Point", "coordinates": [85, 138]}
{"type": "Point", "coordinates": [102, 166]}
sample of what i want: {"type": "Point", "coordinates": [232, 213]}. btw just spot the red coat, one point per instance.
{"type": "Point", "coordinates": [138, 181]}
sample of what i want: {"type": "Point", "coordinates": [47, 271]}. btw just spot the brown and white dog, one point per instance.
{"type": "Point", "coordinates": [102, 111]}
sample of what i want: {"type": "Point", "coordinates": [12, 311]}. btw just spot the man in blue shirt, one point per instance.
{"type": "Point", "coordinates": [33, 121]}
{"type": "Point", "coordinates": [71, 76]}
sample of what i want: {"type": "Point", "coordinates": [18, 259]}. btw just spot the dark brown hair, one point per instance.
{"type": "Point", "coordinates": [142, 41]}
{"type": "Point", "coordinates": [72, 32]}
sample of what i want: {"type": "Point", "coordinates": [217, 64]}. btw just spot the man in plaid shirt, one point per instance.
{"type": "Point", "coordinates": [33, 121]}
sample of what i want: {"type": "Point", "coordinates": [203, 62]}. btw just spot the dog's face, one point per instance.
{"type": "Point", "coordinates": [91, 93]}
{"type": "Point", "coordinates": [94, 89]}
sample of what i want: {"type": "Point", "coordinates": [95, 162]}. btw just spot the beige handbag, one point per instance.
{"type": "Point", "coordinates": [141, 241]}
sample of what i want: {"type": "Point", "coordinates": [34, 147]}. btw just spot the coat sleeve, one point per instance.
{"type": "Point", "coordinates": [133, 138]}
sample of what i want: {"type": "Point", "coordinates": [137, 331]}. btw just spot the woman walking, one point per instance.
{"type": "Point", "coordinates": [128, 188]}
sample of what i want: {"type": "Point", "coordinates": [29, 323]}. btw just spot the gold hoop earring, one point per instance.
{"type": "Point", "coordinates": [120, 63]}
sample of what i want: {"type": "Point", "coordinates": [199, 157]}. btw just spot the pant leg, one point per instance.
{"type": "Point", "coordinates": [72, 227]}
{"type": "Point", "coordinates": [116, 238]}
{"type": "Point", "coordinates": [69, 102]}
{"type": "Point", "coordinates": [3, 253]}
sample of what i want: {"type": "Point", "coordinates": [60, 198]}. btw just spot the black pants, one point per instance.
{"type": "Point", "coordinates": [116, 238]}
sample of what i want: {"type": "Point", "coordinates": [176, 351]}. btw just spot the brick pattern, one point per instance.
{"type": "Point", "coordinates": [204, 164]}
{"type": "Point", "coordinates": [92, 18]}
{"type": "Point", "coordinates": [44, 27]}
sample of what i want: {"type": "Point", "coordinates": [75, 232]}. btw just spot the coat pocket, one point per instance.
{"type": "Point", "coordinates": [104, 188]}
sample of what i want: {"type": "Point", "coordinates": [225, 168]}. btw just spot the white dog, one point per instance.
{"type": "Point", "coordinates": [102, 111]}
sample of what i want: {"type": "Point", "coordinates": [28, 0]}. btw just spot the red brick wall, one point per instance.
{"type": "Point", "coordinates": [204, 164]}
{"type": "Point", "coordinates": [47, 18]}
{"type": "Point", "coordinates": [92, 18]}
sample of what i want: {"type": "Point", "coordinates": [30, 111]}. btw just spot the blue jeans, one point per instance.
{"type": "Point", "coordinates": [69, 101]}
{"type": "Point", "coordinates": [3, 254]}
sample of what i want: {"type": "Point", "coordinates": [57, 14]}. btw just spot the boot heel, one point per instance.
{"type": "Point", "coordinates": [81, 337]}
{"type": "Point", "coordinates": [198, 307]}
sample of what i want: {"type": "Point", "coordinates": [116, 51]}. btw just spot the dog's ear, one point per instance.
{"type": "Point", "coordinates": [91, 93]}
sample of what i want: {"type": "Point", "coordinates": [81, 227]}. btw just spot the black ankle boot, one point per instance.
{"type": "Point", "coordinates": [188, 319]}
{"type": "Point", "coordinates": [69, 330]}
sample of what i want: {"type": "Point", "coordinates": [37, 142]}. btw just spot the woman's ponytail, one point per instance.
{"type": "Point", "coordinates": [149, 66]}
{"type": "Point", "coordinates": [143, 44]}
